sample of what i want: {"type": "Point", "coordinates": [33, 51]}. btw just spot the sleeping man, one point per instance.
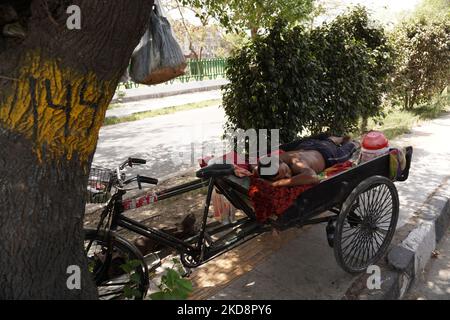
{"type": "Point", "coordinates": [304, 159]}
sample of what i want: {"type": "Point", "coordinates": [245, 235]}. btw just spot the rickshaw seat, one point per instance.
{"type": "Point", "coordinates": [215, 170]}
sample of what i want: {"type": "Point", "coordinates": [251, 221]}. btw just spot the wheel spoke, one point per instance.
{"type": "Point", "coordinates": [372, 252]}
{"type": "Point", "coordinates": [349, 240]}
{"type": "Point", "coordinates": [115, 293]}
{"type": "Point", "coordinates": [375, 192]}
{"type": "Point", "coordinates": [354, 244]}
{"type": "Point", "coordinates": [379, 193]}
{"type": "Point", "coordinates": [383, 207]}
{"type": "Point", "coordinates": [352, 230]}
{"type": "Point", "coordinates": [387, 220]}
{"type": "Point", "coordinates": [378, 240]}
{"type": "Point", "coordinates": [351, 243]}
{"type": "Point", "coordinates": [108, 270]}
{"type": "Point", "coordinates": [365, 207]}
{"type": "Point", "coordinates": [369, 199]}
{"type": "Point", "coordinates": [361, 249]}
{"type": "Point", "coordinates": [370, 207]}
{"type": "Point", "coordinates": [384, 211]}
{"type": "Point", "coordinates": [384, 217]}
{"type": "Point", "coordinates": [347, 236]}
{"type": "Point", "coordinates": [360, 212]}
{"type": "Point", "coordinates": [382, 237]}
{"type": "Point", "coordinates": [115, 284]}
{"type": "Point", "coordinates": [365, 249]}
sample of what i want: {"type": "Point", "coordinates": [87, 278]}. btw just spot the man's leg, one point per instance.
{"type": "Point", "coordinates": [340, 140]}
{"type": "Point", "coordinates": [337, 140]}
{"type": "Point", "coordinates": [343, 153]}
{"type": "Point", "coordinates": [346, 151]}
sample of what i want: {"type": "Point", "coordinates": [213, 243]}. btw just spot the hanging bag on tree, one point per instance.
{"type": "Point", "coordinates": [158, 57]}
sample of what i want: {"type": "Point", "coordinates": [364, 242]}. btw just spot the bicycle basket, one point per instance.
{"type": "Point", "coordinates": [99, 185]}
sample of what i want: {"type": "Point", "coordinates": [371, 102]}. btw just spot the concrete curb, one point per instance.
{"type": "Point", "coordinates": [407, 260]}
{"type": "Point", "coordinates": [165, 94]}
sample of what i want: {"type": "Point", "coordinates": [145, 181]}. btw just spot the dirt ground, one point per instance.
{"type": "Point", "coordinates": [166, 214]}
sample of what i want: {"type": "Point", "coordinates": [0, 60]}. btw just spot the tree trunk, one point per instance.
{"type": "Point", "coordinates": [50, 117]}
{"type": "Point", "coordinates": [254, 32]}
{"type": "Point", "coordinates": [408, 103]}
{"type": "Point", "coordinates": [364, 124]}
{"type": "Point", "coordinates": [412, 101]}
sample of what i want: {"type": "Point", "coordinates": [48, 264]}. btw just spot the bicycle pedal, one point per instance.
{"type": "Point", "coordinates": [153, 261]}
{"type": "Point", "coordinates": [187, 273]}
{"type": "Point", "coordinates": [209, 240]}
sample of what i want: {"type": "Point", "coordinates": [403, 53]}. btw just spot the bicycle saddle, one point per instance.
{"type": "Point", "coordinates": [215, 170]}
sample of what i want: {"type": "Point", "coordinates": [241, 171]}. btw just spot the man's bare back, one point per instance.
{"type": "Point", "coordinates": [297, 160]}
{"type": "Point", "coordinates": [301, 166]}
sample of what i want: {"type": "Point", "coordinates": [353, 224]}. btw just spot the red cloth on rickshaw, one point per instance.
{"type": "Point", "coordinates": [268, 200]}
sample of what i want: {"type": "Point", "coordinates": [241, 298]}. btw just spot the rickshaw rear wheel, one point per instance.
{"type": "Point", "coordinates": [366, 224]}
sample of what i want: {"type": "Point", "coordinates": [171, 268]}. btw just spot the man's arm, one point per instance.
{"type": "Point", "coordinates": [306, 176]}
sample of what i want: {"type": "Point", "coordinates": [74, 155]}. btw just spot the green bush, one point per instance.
{"type": "Point", "coordinates": [423, 61]}
{"type": "Point", "coordinates": [356, 59]}
{"type": "Point", "coordinates": [307, 82]}
{"type": "Point", "coordinates": [272, 83]}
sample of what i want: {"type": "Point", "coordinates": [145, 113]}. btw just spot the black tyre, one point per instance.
{"type": "Point", "coordinates": [366, 224]}
{"type": "Point", "coordinates": [119, 273]}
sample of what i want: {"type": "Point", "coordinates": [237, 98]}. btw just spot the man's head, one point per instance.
{"type": "Point", "coordinates": [280, 171]}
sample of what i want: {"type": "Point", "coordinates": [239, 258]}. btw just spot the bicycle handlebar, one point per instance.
{"type": "Point", "coordinates": [142, 179]}
{"type": "Point", "coordinates": [137, 161]}
{"type": "Point", "coordinates": [147, 180]}
{"type": "Point", "coordinates": [130, 161]}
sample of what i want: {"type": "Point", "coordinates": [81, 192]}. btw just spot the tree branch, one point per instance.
{"type": "Point", "coordinates": [47, 10]}
{"type": "Point", "coordinates": [8, 78]}
{"type": "Point", "coordinates": [183, 21]}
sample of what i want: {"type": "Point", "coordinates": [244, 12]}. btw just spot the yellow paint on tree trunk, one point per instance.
{"type": "Point", "coordinates": [61, 110]}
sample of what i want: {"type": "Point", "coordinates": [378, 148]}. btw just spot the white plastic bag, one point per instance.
{"type": "Point", "coordinates": [224, 211]}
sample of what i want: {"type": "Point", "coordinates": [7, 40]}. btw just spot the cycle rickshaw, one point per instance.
{"type": "Point", "coordinates": [359, 205]}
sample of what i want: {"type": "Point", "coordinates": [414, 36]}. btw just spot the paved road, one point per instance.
{"type": "Point", "coordinates": [160, 139]}
{"type": "Point", "coordinates": [160, 103]}
{"type": "Point", "coordinates": [435, 281]}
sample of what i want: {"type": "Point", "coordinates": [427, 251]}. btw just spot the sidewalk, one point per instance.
{"type": "Point", "coordinates": [166, 90]}
{"type": "Point", "coordinates": [434, 284]}
{"type": "Point", "coordinates": [129, 108]}
{"type": "Point", "coordinates": [304, 267]}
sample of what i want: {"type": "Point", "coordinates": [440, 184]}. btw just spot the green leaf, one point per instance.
{"type": "Point", "coordinates": [128, 292]}
{"type": "Point", "coordinates": [171, 278]}
{"type": "Point", "coordinates": [157, 296]}
{"type": "Point", "coordinates": [135, 278]}
{"type": "Point", "coordinates": [127, 268]}
{"type": "Point", "coordinates": [185, 285]}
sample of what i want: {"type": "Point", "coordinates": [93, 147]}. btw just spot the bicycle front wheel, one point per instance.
{"type": "Point", "coordinates": [117, 267]}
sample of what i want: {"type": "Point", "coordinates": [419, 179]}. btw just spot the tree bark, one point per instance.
{"type": "Point", "coordinates": [364, 124]}
{"type": "Point", "coordinates": [55, 89]}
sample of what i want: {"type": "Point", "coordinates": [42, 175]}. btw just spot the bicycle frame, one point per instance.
{"type": "Point", "coordinates": [199, 248]}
